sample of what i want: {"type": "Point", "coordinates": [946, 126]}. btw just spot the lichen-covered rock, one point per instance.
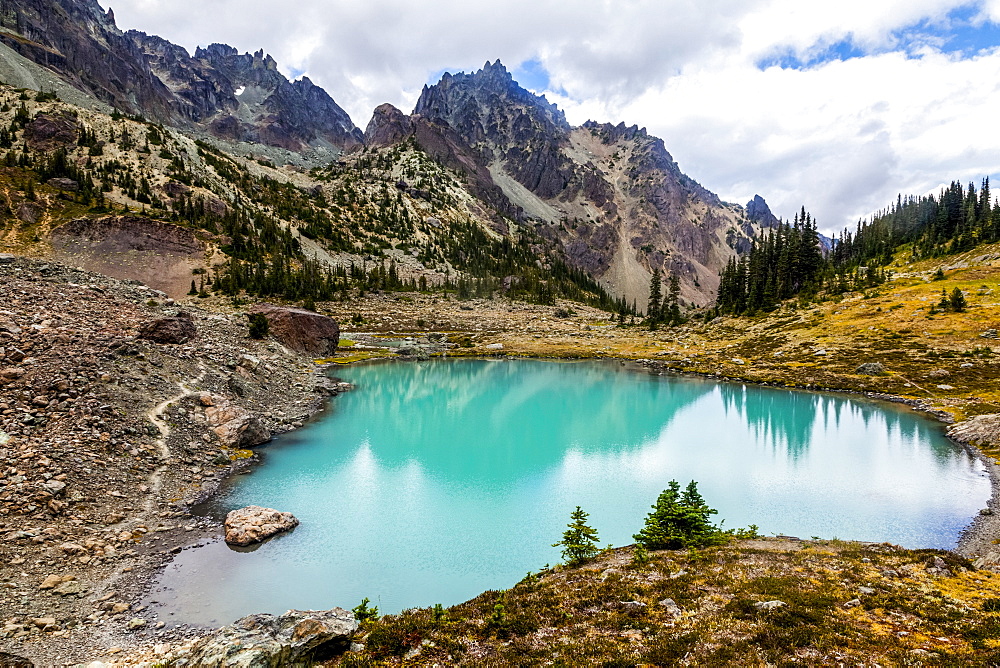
{"type": "Point", "coordinates": [301, 330]}
{"type": "Point", "coordinates": [981, 431]}
{"type": "Point", "coordinates": [254, 524]}
{"type": "Point", "coordinates": [296, 638]}
{"type": "Point", "coordinates": [169, 330]}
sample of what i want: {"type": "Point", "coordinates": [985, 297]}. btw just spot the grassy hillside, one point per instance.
{"type": "Point", "coordinates": [754, 602]}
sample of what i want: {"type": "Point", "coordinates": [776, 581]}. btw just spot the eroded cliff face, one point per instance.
{"type": "Point", "coordinates": [610, 196]}
{"type": "Point", "coordinates": [81, 44]}
{"type": "Point", "coordinates": [232, 96]}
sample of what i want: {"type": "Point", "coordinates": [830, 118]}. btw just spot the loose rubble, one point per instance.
{"type": "Point", "coordinates": [107, 438]}
{"type": "Point", "coordinates": [295, 638]}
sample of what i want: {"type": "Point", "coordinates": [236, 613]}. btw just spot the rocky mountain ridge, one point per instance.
{"type": "Point", "coordinates": [243, 97]}
{"type": "Point", "coordinates": [611, 197]}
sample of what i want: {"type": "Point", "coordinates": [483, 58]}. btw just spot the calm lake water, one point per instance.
{"type": "Point", "coordinates": [434, 481]}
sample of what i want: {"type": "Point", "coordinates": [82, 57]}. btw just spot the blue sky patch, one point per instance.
{"type": "Point", "coordinates": [531, 74]}
{"type": "Point", "coordinates": [960, 33]}
{"type": "Point", "coordinates": [435, 76]}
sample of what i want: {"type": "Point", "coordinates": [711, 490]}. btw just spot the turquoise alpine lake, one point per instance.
{"type": "Point", "coordinates": [434, 481]}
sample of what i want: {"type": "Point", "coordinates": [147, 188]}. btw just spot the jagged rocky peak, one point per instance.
{"type": "Point", "coordinates": [611, 196]}
{"type": "Point", "coordinates": [479, 105]}
{"type": "Point", "coordinates": [759, 212]}
{"type": "Point", "coordinates": [144, 74]}
{"type": "Point", "coordinates": [506, 125]}
{"type": "Point", "coordinates": [649, 155]}
{"type": "Point", "coordinates": [198, 94]}
{"type": "Point", "coordinates": [233, 64]}
{"type": "Point", "coordinates": [610, 134]}
{"type": "Point", "coordinates": [277, 112]}
{"type": "Point", "coordinates": [388, 126]}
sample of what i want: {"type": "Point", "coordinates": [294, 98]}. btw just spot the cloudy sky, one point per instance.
{"type": "Point", "coordinates": [835, 106]}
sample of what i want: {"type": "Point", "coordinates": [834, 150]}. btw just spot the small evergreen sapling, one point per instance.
{"type": "Point", "coordinates": [945, 303]}
{"type": "Point", "coordinates": [363, 613]}
{"type": "Point", "coordinates": [258, 325]}
{"type": "Point", "coordinates": [579, 541]}
{"type": "Point", "coordinates": [957, 300]}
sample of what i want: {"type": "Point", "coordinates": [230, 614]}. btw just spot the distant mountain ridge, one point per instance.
{"type": "Point", "coordinates": [147, 75]}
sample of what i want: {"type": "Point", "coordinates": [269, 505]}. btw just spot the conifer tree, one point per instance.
{"type": "Point", "coordinates": [579, 541]}
{"type": "Point", "coordinates": [957, 300]}
{"type": "Point", "coordinates": [679, 520]}
{"type": "Point", "coordinates": [945, 302]}
{"type": "Point", "coordinates": [671, 312]}
{"type": "Point", "coordinates": [655, 295]}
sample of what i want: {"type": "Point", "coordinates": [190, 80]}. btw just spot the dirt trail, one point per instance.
{"type": "Point", "coordinates": [155, 415]}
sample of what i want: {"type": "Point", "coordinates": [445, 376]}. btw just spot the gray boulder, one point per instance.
{"type": "Point", "coordinates": [235, 426]}
{"type": "Point", "coordinates": [871, 369]}
{"type": "Point", "coordinates": [301, 330]}
{"type": "Point", "coordinates": [764, 606]}
{"type": "Point", "coordinates": [296, 638]}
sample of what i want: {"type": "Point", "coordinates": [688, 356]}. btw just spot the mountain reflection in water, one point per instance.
{"type": "Point", "coordinates": [434, 481]}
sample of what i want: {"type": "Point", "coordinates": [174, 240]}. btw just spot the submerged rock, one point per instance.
{"type": "Point", "coordinates": [298, 637]}
{"type": "Point", "coordinates": [254, 524]}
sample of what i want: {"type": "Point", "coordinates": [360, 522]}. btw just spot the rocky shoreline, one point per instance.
{"type": "Point", "coordinates": [106, 442]}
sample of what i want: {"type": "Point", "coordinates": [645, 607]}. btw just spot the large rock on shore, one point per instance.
{"type": "Point", "coordinates": [296, 638]}
{"type": "Point", "coordinates": [254, 524]}
{"type": "Point", "coordinates": [169, 330]}
{"type": "Point", "coordinates": [235, 426]}
{"type": "Point", "coordinates": [301, 330]}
